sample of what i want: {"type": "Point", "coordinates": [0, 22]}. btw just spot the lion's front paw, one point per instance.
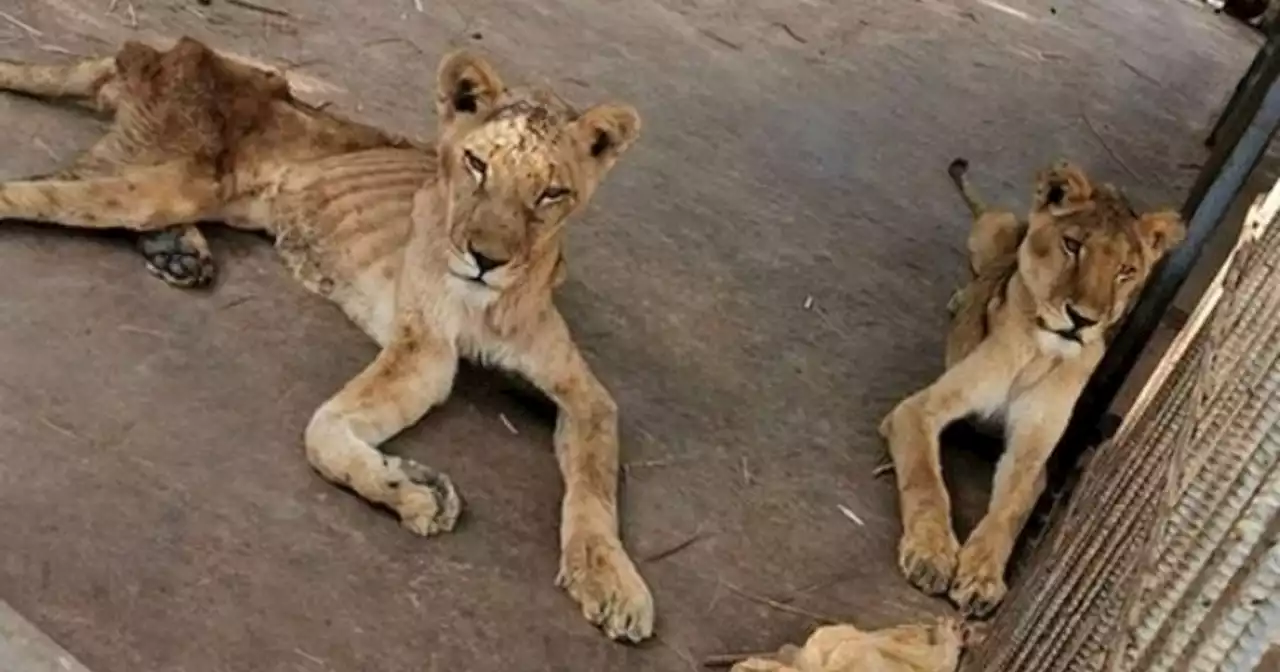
{"type": "Point", "coordinates": [979, 584]}
{"type": "Point", "coordinates": [425, 499]}
{"type": "Point", "coordinates": [597, 573]}
{"type": "Point", "coordinates": [927, 556]}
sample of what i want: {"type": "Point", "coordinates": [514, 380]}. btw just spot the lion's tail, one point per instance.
{"type": "Point", "coordinates": [957, 170]}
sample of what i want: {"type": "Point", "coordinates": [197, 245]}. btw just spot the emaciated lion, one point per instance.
{"type": "Point", "coordinates": [438, 252]}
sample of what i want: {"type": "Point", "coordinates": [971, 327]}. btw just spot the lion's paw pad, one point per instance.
{"type": "Point", "coordinates": [427, 501]}
{"type": "Point", "coordinates": [175, 258]}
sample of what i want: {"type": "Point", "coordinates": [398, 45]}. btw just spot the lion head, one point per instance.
{"type": "Point", "coordinates": [515, 164]}
{"type": "Point", "coordinates": [1086, 255]}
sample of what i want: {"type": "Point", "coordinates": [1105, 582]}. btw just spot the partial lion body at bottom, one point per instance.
{"type": "Point", "coordinates": [1026, 333]}
{"type": "Point", "coordinates": [438, 251]}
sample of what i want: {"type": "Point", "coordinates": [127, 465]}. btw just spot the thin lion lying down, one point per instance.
{"type": "Point", "coordinates": [438, 251]}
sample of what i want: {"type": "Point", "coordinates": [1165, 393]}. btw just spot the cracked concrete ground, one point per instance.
{"type": "Point", "coordinates": [758, 282]}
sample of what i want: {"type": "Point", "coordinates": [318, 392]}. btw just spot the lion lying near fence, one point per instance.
{"type": "Point", "coordinates": [1027, 332]}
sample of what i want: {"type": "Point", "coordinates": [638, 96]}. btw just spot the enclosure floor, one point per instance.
{"type": "Point", "coordinates": [758, 282]}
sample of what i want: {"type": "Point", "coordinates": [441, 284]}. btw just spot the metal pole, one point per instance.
{"type": "Point", "coordinates": [1210, 199]}
{"type": "Point", "coordinates": [1247, 82]}
{"type": "Point", "coordinates": [1248, 91]}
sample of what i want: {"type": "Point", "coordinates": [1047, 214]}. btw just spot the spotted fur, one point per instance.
{"type": "Point", "coordinates": [437, 251]}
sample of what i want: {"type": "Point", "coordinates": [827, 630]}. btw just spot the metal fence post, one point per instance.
{"type": "Point", "coordinates": [1213, 194]}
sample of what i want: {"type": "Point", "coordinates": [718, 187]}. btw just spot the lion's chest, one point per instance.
{"type": "Point", "coordinates": [1019, 395]}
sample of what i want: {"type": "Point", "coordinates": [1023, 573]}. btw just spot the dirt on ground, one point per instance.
{"type": "Point", "coordinates": [763, 276]}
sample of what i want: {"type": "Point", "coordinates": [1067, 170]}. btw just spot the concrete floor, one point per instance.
{"type": "Point", "coordinates": [158, 513]}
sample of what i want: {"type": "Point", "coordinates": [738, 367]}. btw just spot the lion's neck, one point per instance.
{"type": "Point", "coordinates": [1019, 300]}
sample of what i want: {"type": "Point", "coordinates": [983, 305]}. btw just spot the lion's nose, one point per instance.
{"type": "Point", "coordinates": [485, 263]}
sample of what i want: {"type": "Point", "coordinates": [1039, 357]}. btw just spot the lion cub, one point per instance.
{"type": "Point", "coordinates": [1026, 335]}
{"type": "Point", "coordinates": [438, 252]}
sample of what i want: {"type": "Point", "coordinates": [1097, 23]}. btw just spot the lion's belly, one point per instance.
{"type": "Point", "coordinates": [369, 300]}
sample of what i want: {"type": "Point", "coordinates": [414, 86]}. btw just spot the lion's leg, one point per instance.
{"type": "Point", "coordinates": [994, 236]}
{"type": "Point", "coordinates": [968, 324]}
{"type": "Point", "coordinates": [179, 255]}
{"type": "Point", "coordinates": [412, 373]}
{"type": "Point", "coordinates": [594, 567]}
{"type": "Point", "coordinates": [995, 233]}
{"type": "Point", "coordinates": [956, 301]}
{"type": "Point", "coordinates": [977, 384]}
{"type": "Point", "coordinates": [91, 82]}
{"type": "Point", "coordinates": [1035, 424]}
{"type": "Point", "coordinates": [137, 199]}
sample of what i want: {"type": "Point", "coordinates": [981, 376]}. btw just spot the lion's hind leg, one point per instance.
{"type": "Point", "coordinates": [995, 233]}
{"type": "Point", "coordinates": [179, 255]}
{"type": "Point", "coordinates": [968, 324]}
{"type": "Point", "coordinates": [90, 82]}
{"type": "Point", "coordinates": [994, 239]}
{"type": "Point", "coordinates": [148, 198]}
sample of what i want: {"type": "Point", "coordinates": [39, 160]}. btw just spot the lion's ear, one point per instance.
{"type": "Point", "coordinates": [1161, 231]}
{"type": "Point", "coordinates": [466, 86]}
{"type": "Point", "coordinates": [1063, 188]}
{"type": "Point", "coordinates": [606, 131]}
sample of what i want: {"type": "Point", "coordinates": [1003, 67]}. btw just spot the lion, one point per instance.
{"type": "Point", "coordinates": [437, 251]}
{"type": "Point", "coordinates": [1026, 334]}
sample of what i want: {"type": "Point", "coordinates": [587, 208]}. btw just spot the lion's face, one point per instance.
{"type": "Point", "coordinates": [515, 165]}
{"type": "Point", "coordinates": [1086, 255]}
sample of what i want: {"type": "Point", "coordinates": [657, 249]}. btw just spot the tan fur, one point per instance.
{"type": "Point", "coordinates": [1015, 355]}
{"type": "Point", "coordinates": [397, 235]}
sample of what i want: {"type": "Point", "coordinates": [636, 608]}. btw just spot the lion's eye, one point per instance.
{"type": "Point", "coordinates": [1126, 273]}
{"type": "Point", "coordinates": [1071, 245]}
{"type": "Point", "coordinates": [477, 167]}
{"type": "Point", "coordinates": [552, 194]}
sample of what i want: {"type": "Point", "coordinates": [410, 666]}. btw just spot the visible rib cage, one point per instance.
{"type": "Point", "coordinates": [1168, 557]}
{"type": "Point", "coordinates": [346, 214]}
